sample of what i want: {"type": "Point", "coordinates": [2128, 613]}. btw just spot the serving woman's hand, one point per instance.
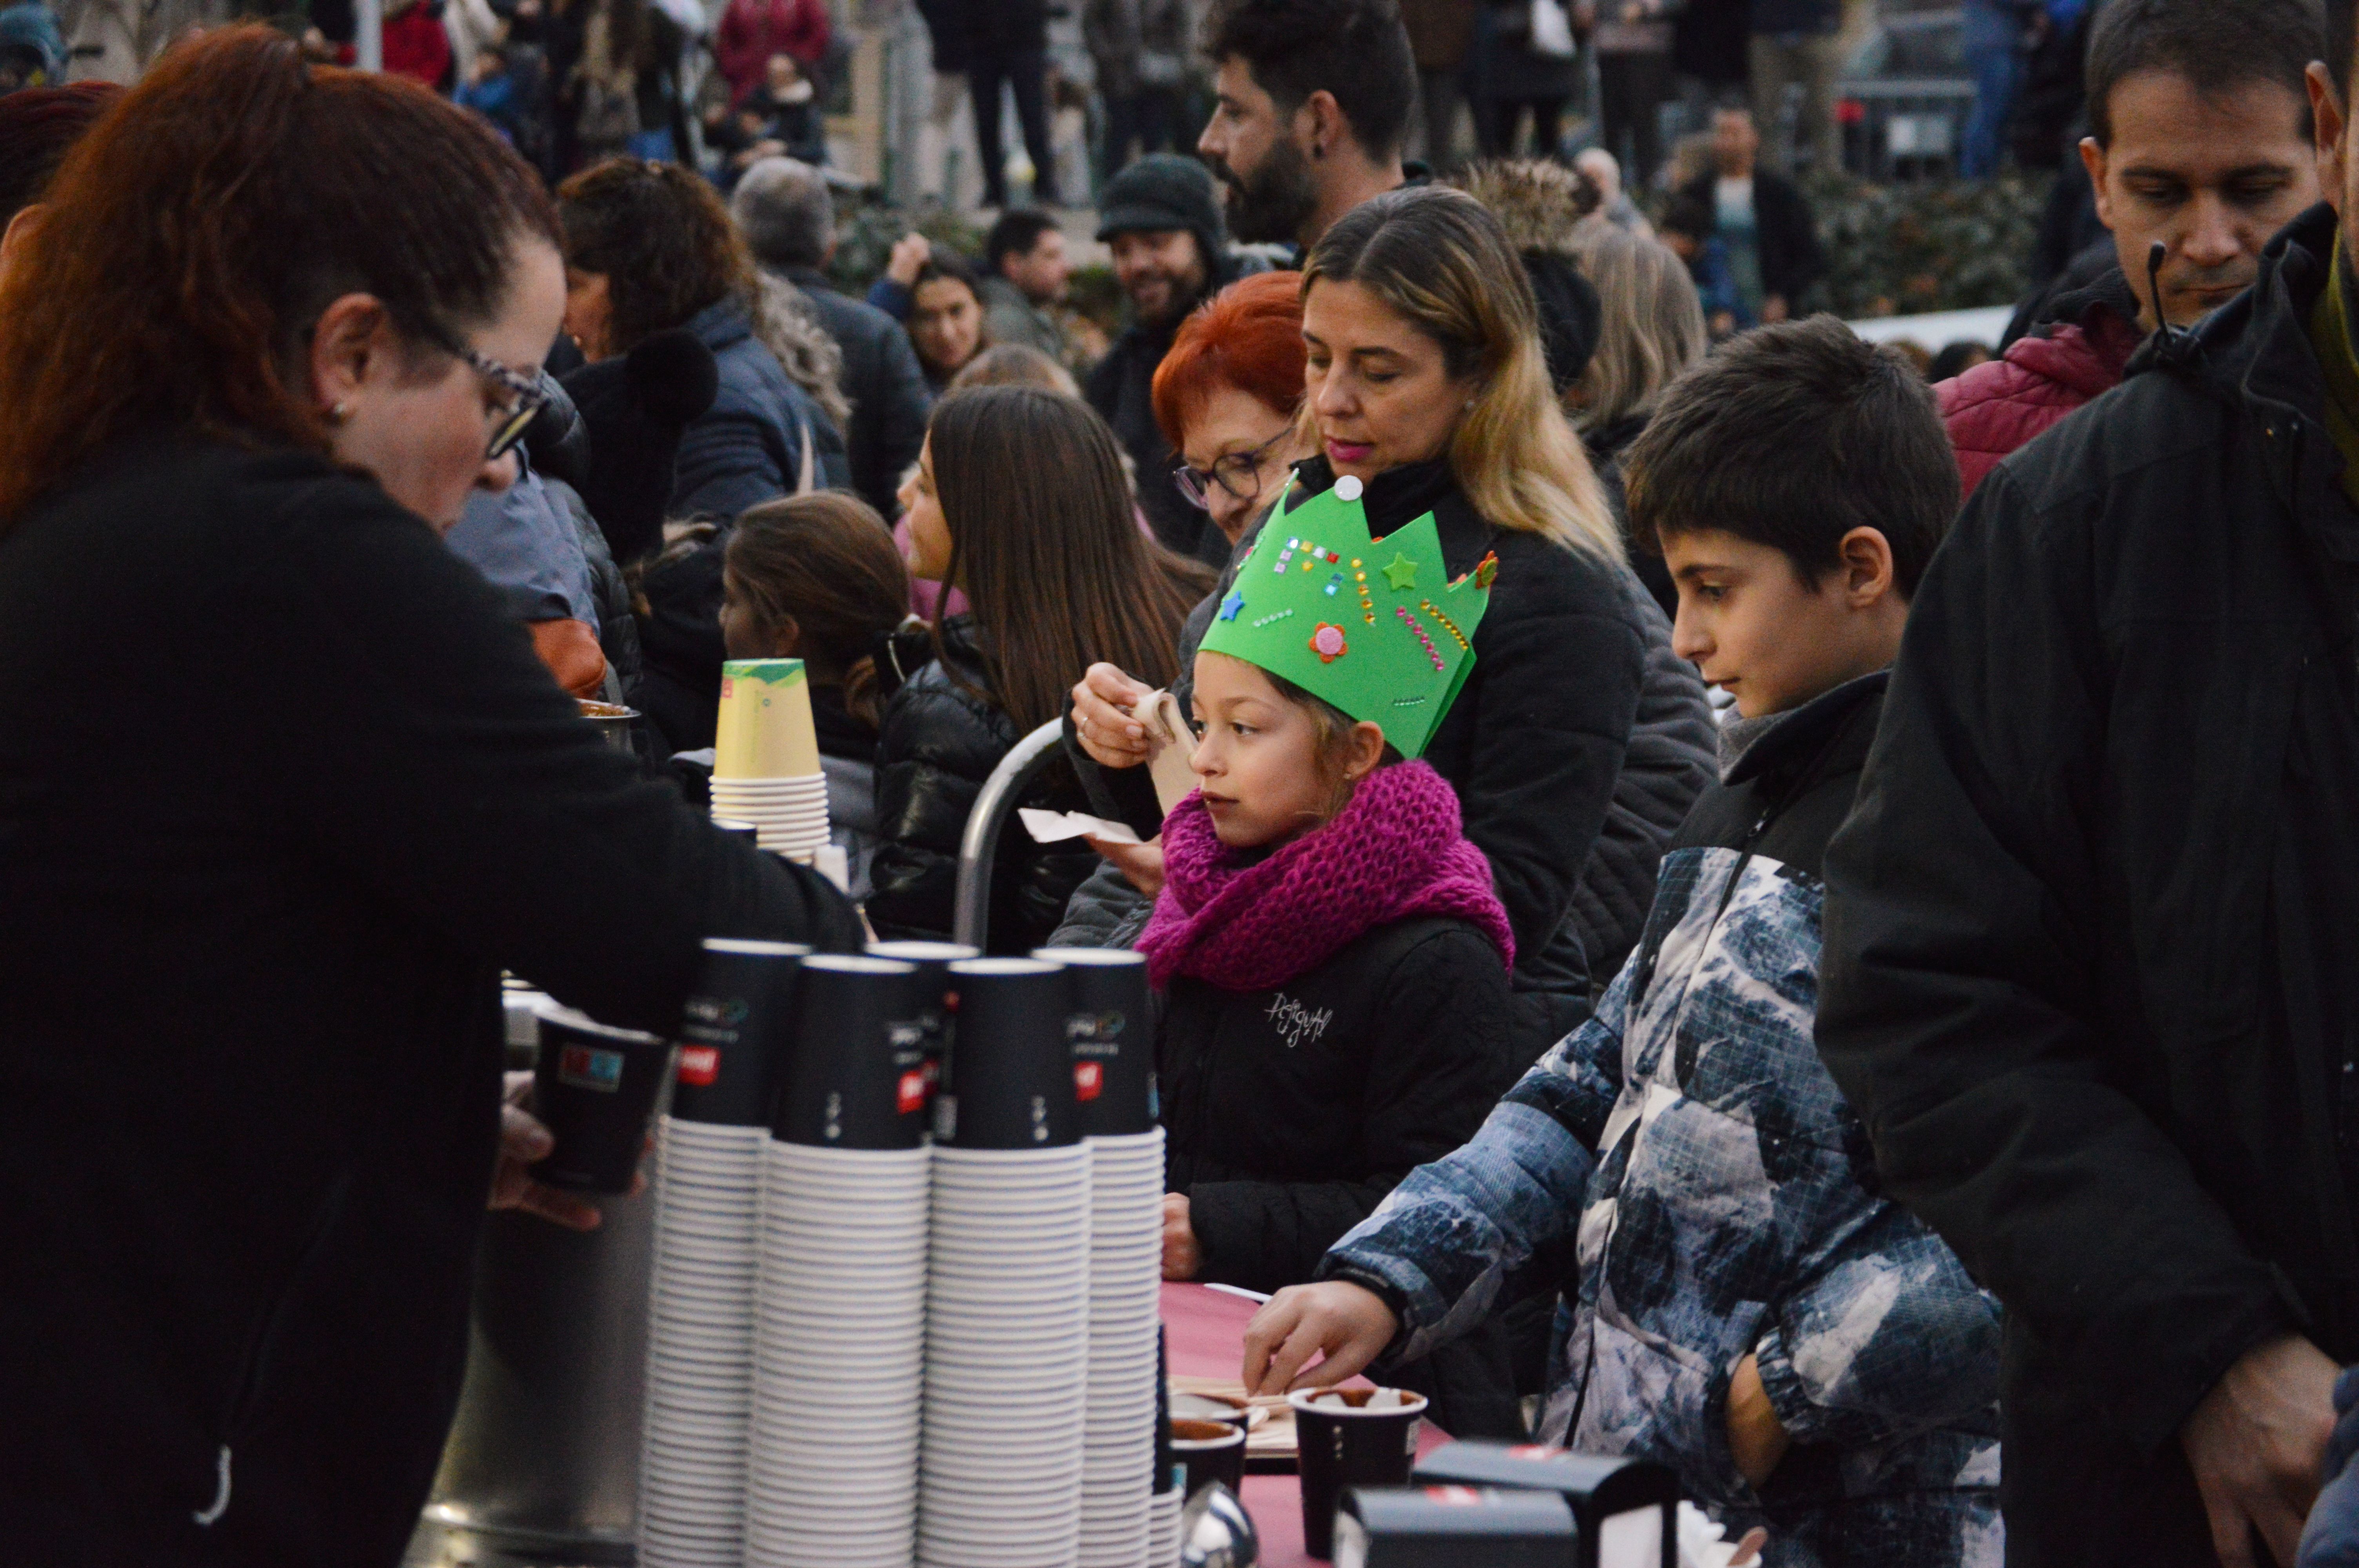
{"type": "Point", "coordinates": [1101, 703]}
{"type": "Point", "coordinates": [524, 1141]}
{"type": "Point", "coordinates": [1349, 1325]}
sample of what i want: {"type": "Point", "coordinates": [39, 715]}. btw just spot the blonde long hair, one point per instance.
{"type": "Point", "coordinates": [1653, 326]}
{"type": "Point", "coordinates": [1441, 261]}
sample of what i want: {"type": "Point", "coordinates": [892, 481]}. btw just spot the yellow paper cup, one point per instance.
{"type": "Point", "coordinates": [766, 727]}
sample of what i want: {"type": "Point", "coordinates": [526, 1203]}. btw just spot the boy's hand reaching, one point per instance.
{"type": "Point", "coordinates": [1351, 1325]}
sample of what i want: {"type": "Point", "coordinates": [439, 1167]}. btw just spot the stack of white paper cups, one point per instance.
{"type": "Point", "coordinates": [700, 1375]}
{"type": "Point", "coordinates": [1112, 1044]}
{"type": "Point", "coordinates": [765, 767]}
{"type": "Point", "coordinates": [1007, 1281]}
{"type": "Point", "coordinates": [839, 1336]}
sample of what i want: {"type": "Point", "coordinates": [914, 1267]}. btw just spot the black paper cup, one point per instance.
{"type": "Point", "coordinates": [1112, 1032]}
{"type": "Point", "coordinates": [594, 1089]}
{"type": "Point", "coordinates": [855, 1075]}
{"type": "Point", "coordinates": [734, 1032]}
{"type": "Point", "coordinates": [1011, 1074]}
{"type": "Point", "coordinates": [933, 960]}
{"type": "Point", "coordinates": [1348, 1446]}
{"type": "Point", "coordinates": [1210, 1451]}
{"type": "Point", "coordinates": [1162, 1481]}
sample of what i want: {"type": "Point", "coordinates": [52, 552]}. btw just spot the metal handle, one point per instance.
{"type": "Point", "coordinates": [972, 918]}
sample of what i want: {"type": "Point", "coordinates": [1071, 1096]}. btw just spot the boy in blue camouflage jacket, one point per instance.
{"type": "Point", "coordinates": [1739, 1300]}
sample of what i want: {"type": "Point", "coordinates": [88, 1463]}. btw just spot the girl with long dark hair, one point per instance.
{"type": "Point", "coordinates": [1020, 501]}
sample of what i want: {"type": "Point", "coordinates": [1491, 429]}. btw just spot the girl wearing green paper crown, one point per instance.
{"type": "Point", "coordinates": [1331, 952]}
{"type": "Point", "coordinates": [1579, 738]}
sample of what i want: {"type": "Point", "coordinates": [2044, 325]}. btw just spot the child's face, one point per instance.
{"type": "Point", "coordinates": [1751, 625]}
{"type": "Point", "coordinates": [1256, 758]}
{"type": "Point", "coordinates": [742, 633]}
{"type": "Point", "coordinates": [929, 531]}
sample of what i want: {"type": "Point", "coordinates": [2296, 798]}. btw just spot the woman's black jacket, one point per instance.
{"type": "Point", "coordinates": [940, 739]}
{"type": "Point", "coordinates": [283, 788]}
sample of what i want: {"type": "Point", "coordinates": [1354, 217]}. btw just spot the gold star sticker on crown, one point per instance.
{"type": "Point", "coordinates": [1401, 572]}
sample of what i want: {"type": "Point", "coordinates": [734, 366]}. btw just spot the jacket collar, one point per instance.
{"type": "Point", "coordinates": [722, 324]}
{"type": "Point", "coordinates": [1395, 497]}
{"type": "Point", "coordinates": [1809, 734]}
{"type": "Point", "coordinates": [806, 278]}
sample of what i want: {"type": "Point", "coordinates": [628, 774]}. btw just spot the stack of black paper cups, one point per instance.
{"type": "Point", "coordinates": [1112, 1037]}
{"type": "Point", "coordinates": [699, 1377]}
{"type": "Point", "coordinates": [1008, 1280]}
{"type": "Point", "coordinates": [933, 960]}
{"type": "Point", "coordinates": [840, 1314]}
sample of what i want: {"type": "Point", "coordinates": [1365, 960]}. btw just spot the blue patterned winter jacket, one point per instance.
{"type": "Point", "coordinates": [1683, 1167]}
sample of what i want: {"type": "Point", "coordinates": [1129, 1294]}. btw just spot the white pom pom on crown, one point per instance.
{"type": "Point", "coordinates": [1348, 488]}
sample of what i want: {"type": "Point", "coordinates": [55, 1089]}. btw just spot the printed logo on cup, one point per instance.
{"type": "Point", "coordinates": [587, 1067]}
{"type": "Point", "coordinates": [1098, 1028]}
{"type": "Point", "coordinates": [1089, 1080]}
{"type": "Point", "coordinates": [912, 1093]}
{"type": "Point", "coordinates": [1455, 1497]}
{"type": "Point", "coordinates": [1039, 1118]}
{"type": "Point", "coordinates": [700, 1064]}
{"type": "Point", "coordinates": [907, 1042]}
{"type": "Point", "coordinates": [946, 1116]}
{"type": "Point", "coordinates": [835, 1127]}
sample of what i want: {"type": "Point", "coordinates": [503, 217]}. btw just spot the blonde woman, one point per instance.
{"type": "Point", "coordinates": [1653, 330]}
{"type": "Point", "coordinates": [1425, 382]}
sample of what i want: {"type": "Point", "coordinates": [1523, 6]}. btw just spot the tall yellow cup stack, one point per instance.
{"type": "Point", "coordinates": [765, 766]}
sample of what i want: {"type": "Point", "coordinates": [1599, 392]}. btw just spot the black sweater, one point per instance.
{"type": "Point", "coordinates": [282, 789]}
{"type": "Point", "coordinates": [1293, 1111]}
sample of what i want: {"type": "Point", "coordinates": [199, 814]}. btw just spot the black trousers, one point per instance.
{"type": "Point", "coordinates": [1147, 117]}
{"type": "Point", "coordinates": [1495, 125]}
{"type": "Point", "coordinates": [1631, 91]}
{"type": "Point", "coordinates": [1025, 68]}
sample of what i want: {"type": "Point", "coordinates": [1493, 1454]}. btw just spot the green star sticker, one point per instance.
{"type": "Point", "coordinates": [1401, 572]}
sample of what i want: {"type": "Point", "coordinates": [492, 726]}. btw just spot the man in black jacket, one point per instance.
{"type": "Point", "coordinates": [1163, 224]}
{"type": "Point", "coordinates": [783, 211]}
{"type": "Point", "coordinates": [2090, 928]}
{"type": "Point", "coordinates": [1761, 216]}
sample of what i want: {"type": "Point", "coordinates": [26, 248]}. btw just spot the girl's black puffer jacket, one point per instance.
{"type": "Point", "coordinates": [940, 741]}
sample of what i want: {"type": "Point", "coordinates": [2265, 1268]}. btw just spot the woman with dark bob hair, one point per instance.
{"type": "Point", "coordinates": [650, 248]}
{"type": "Point", "coordinates": [282, 790]}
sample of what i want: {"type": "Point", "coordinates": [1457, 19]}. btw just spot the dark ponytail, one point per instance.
{"type": "Point", "coordinates": [827, 562]}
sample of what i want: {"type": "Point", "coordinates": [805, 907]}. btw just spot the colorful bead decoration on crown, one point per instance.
{"type": "Point", "coordinates": [1400, 670]}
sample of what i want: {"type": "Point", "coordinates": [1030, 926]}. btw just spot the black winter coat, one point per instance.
{"type": "Point", "coordinates": [2090, 928]}
{"type": "Point", "coordinates": [265, 860]}
{"type": "Point", "coordinates": [1573, 678]}
{"type": "Point", "coordinates": [938, 743]}
{"type": "Point", "coordinates": [1121, 388]}
{"type": "Point", "coordinates": [1293, 1113]}
{"type": "Point", "coordinates": [889, 397]}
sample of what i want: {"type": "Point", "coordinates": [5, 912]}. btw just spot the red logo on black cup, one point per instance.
{"type": "Point", "coordinates": [700, 1064]}
{"type": "Point", "coordinates": [913, 1091]}
{"type": "Point", "coordinates": [1089, 1080]}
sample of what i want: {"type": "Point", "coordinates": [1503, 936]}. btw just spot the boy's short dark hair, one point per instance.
{"type": "Point", "coordinates": [1687, 215]}
{"type": "Point", "coordinates": [2214, 44]}
{"type": "Point", "coordinates": [1015, 234]}
{"type": "Point", "coordinates": [1792, 435]}
{"type": "Point", "coordinates": [1355, 50]}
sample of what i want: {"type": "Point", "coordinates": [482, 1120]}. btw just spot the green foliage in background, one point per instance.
{"type": "Point", "coordinates": [866, 227]}
{"type": "Point", "coordinates": [1901, 250]}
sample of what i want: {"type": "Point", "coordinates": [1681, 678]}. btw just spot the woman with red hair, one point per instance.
{"type": "Point", "coordinates": [283, 789]}
{"type": "Point", "coordinates": [1226, 395]}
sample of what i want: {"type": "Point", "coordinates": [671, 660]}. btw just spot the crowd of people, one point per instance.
{"type": "Point", "coordinates": [1670, 938]}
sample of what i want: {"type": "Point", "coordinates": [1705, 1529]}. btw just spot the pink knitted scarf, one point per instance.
{"type": "Point", "coordinates": [1395, 852]}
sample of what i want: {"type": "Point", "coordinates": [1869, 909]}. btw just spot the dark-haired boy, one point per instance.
{"type": "Point", "coordinates": [1744, 1306]}
{"type": "Point", "coordinates": [1311, 101]}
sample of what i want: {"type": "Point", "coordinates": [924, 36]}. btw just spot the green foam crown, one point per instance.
{"type": "Point", "coordinates": [1377, 630]}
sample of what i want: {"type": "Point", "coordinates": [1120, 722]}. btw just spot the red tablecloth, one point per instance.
{"type": "Point", "coordinates": [1203, 1333]}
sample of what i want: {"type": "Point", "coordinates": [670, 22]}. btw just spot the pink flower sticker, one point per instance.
{"type": "Point", "coordinates": [1328, 643]}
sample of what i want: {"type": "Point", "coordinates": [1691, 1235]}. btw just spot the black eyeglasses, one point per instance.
{"type": "Point", "coordinates": [1239, 473]}
{"type": "Point", "coordinates": [519, 416]}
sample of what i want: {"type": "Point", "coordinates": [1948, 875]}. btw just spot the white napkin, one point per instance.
{"type": "Point", "coordinates": [1055, 826]}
